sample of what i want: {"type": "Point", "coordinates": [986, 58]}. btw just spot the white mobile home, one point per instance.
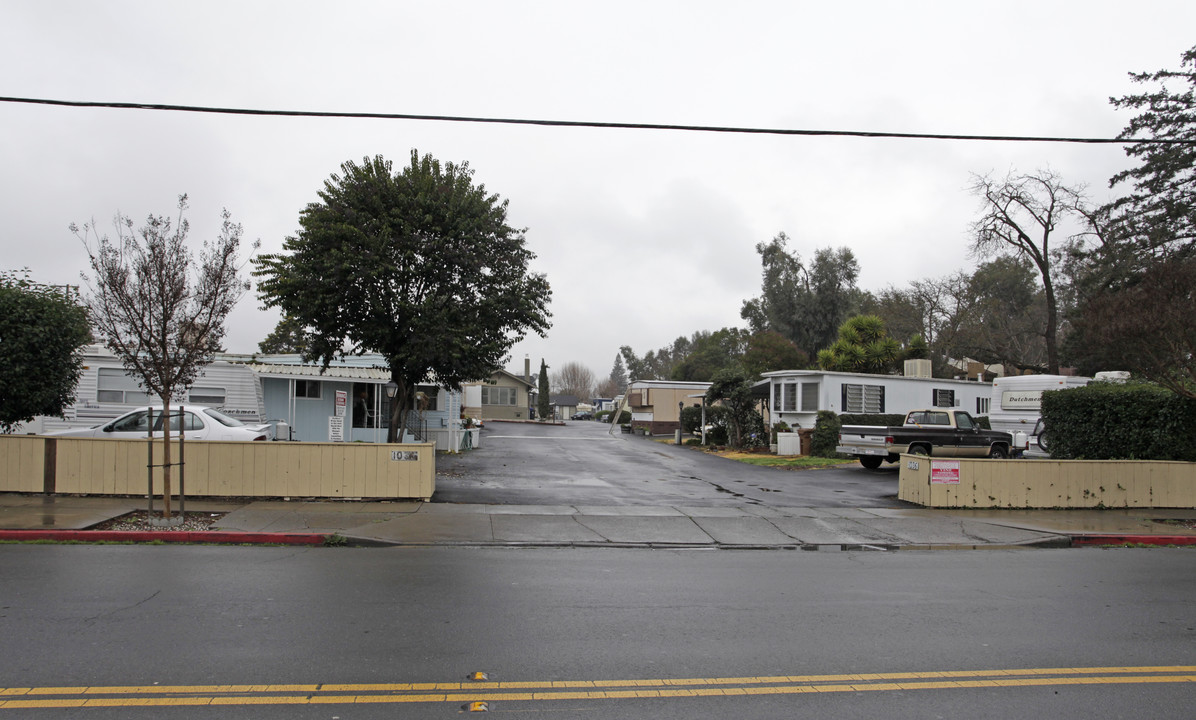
{"type": "Point", "coordinates": [106, 390]}
{"type": "Point", "coordinates": [796, 396]}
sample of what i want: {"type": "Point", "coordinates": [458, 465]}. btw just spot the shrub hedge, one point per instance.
{"type": "Point", "coordinates": [1106, 421]}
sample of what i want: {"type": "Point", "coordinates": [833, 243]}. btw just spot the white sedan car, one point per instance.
{"type": "Point", "coordinates": [200, 423]}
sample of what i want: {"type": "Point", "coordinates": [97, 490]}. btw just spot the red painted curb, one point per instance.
{"type": "Point", "coordinates": [1133, 540]}
{"type": "Point", "coordinates": [184, 536]}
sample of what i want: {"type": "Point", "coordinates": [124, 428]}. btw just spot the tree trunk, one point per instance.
{"type": "Point", "coordinates": [398, 410]}
{"type": "Point", "coordinates": [165, 456]}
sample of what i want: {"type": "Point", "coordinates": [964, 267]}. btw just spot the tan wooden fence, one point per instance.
{"type": "Point", "coordinates": [220, 469]}
{"type": "Point", "coordinates": [960, 483]}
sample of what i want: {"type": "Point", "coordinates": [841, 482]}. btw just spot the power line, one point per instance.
{"type": "Point", "coordinates": [592, 124]}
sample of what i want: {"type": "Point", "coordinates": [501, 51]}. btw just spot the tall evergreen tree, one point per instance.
{"type": "Point", "coordinates": [543, 398]}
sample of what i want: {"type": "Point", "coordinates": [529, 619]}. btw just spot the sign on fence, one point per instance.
{"type": "Point", "coordinates": [944, 472]}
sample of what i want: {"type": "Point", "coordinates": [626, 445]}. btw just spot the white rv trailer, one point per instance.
{"type": "Point", "coordinates": [1017, 400]}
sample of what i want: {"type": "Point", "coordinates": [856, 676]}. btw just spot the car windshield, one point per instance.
{"type": "Point", "coordinates": [222, 418]}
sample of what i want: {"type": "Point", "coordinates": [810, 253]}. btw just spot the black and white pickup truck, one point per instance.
{"type": "Point", "coordinates": [938, 432]}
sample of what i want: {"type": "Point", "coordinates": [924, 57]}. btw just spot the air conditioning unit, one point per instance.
{"type": "Point", "coordinates": [917, 368]}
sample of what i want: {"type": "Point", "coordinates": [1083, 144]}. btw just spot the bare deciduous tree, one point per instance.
{"type": "Point", "coordinates": [573, 379]}
{"type": "Point", "coordinates": [1019, 216]}
{"type": "Point", "coordinates": [162, 315]}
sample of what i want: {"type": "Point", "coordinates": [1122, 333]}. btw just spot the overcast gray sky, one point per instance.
{"type": "Point", "coordinates": [644, 235]}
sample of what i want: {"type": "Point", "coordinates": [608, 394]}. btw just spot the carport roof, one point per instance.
{"type": "Point", "coordinates": [380, 375]}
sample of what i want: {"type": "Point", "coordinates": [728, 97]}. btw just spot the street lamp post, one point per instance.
{"type": "Point", "coordinates": [680, 431]}
{"type": "Point", "coordinates": [392, 388]}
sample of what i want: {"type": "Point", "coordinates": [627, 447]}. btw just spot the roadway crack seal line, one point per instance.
{"type": "Point", "coordinates": [510, 691]}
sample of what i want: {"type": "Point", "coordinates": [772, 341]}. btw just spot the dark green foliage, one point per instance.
{"type": "Point", "coordinates": [289, 336]}
{"type": "Point", "coordinates": [707, 353]}
{"type": "Point", "coordinates": [733, 389]}
{"type": "Point", "coordinates": [770, 351]}
{"type": "Point", "coordinates": [1105, 421]}
{"type": "Point", "coordinates": [543, 399]}
{"type": "Point", "coordinates": [862, 419]}
{"type": "Point", "coordinates": [826, 434]}
{"type": "Point", "coordinates": [1158, 217]}
{"type": "Point", "coordinates": [863, 346]}
{"type": "Point", "coordinates": [624, 418]}
{"type": "Point", "coordinates": [917, 349]}
{"type": "Point", "coordinates": [804, 303]}
{"type": "Point", "coordinates": [419, 266]}
{"type": "Point", "coordinates": [691, 418]}
{"type": "Point", "coordinates": [41, 331]}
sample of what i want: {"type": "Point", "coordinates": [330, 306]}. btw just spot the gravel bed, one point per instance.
{"type": "Point", "coordinates": [139, 520]}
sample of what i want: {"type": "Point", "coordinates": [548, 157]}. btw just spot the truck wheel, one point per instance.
{"type": "Point", "coordinates": [871, 461]}
{"type": "Point", "coordinates": [998, 452]}
{"type": "Point", "coordinates": [919, 450]}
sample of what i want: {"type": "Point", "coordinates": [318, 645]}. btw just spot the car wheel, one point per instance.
{"type": "Point", "coordinates": [1044, 441]}
{"type": "Point", "coordinates": [870, 461]}
{"type": "Point", "coordinates": [919, 450]}
{"type": "Point", "coordinates": [997, 452]}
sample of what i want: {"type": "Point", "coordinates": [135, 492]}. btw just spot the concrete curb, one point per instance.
{"type": "Point", "coordinates": [143, 536]}
{"type": "Point", "coordinates": [1090, 540]}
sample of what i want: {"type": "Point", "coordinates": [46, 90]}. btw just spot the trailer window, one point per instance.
{"type": "Point", "coordinates": [809, 397]}
{"type": "Point", "coordinates": [863, 399]}
{"type": "Point", "coordinates": [117, 386]}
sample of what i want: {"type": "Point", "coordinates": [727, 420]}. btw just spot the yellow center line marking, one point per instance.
{"type": "Point", "coordinates": [469, 692]}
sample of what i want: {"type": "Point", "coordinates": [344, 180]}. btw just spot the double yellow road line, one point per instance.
{"type": "Point", "coordinates": [491, 692]}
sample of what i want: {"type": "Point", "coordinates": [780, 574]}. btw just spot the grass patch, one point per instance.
{"type": "Point", "coordinates": [796, 462]}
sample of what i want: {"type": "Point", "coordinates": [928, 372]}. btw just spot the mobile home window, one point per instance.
{"type": "Point", "coordinates": [982, 405]}
{"type": "Point", "coordinates": [116, 386]}
{"type": "Point", "coordinates": [863, 399]}
{"type": "Point", "coordinates": [307, 389]}
{"type": "Point", "coordinates": [791, 396]}
{"type": "Point", "coordinates": [809, 397]}
{"type": "Point", "coordinates": [776, 398]}
{"type": "Point", "coordinates": [944, 398]}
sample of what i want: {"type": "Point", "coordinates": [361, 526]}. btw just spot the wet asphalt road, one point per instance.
{"type": "Point", "coordinates": [580, 463]}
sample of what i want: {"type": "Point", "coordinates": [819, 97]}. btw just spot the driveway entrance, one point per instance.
{"type": "Point", "coordinates": [580, 463]}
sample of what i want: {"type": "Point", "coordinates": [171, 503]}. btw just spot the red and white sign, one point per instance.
{"type": "Point", "coordinates": [944, 472]}
{"type": "Point", "coordinates": [342, 400]}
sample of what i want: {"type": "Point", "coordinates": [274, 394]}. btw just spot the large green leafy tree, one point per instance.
{"type": "Point", "coordinates": [1135, 299]}
{"type": "Point", "coordinates": [1158, 217]}
{"type": "Point", "coordinates": [419, 265]}
{"type": "Point", "coordinates": [41, 331]}
{"type": "Point", "coordinates": [805, 304]}
{"type": "Point", "coordinates": [1004, 319]}
{"type": "Point", "coordinates": [710, 352]}
{"type": "Point", "coordinates": [769, 351]}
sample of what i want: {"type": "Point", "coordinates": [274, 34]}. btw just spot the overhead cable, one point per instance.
{"type": "Point", "coordinates": [595, 124]}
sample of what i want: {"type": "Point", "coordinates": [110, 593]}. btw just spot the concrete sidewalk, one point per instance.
{"type": "Point", "coordinates": [747, 526]}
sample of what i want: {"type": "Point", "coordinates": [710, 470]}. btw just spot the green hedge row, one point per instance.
{"type": "Point", "coordinates": [1106, 421]}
